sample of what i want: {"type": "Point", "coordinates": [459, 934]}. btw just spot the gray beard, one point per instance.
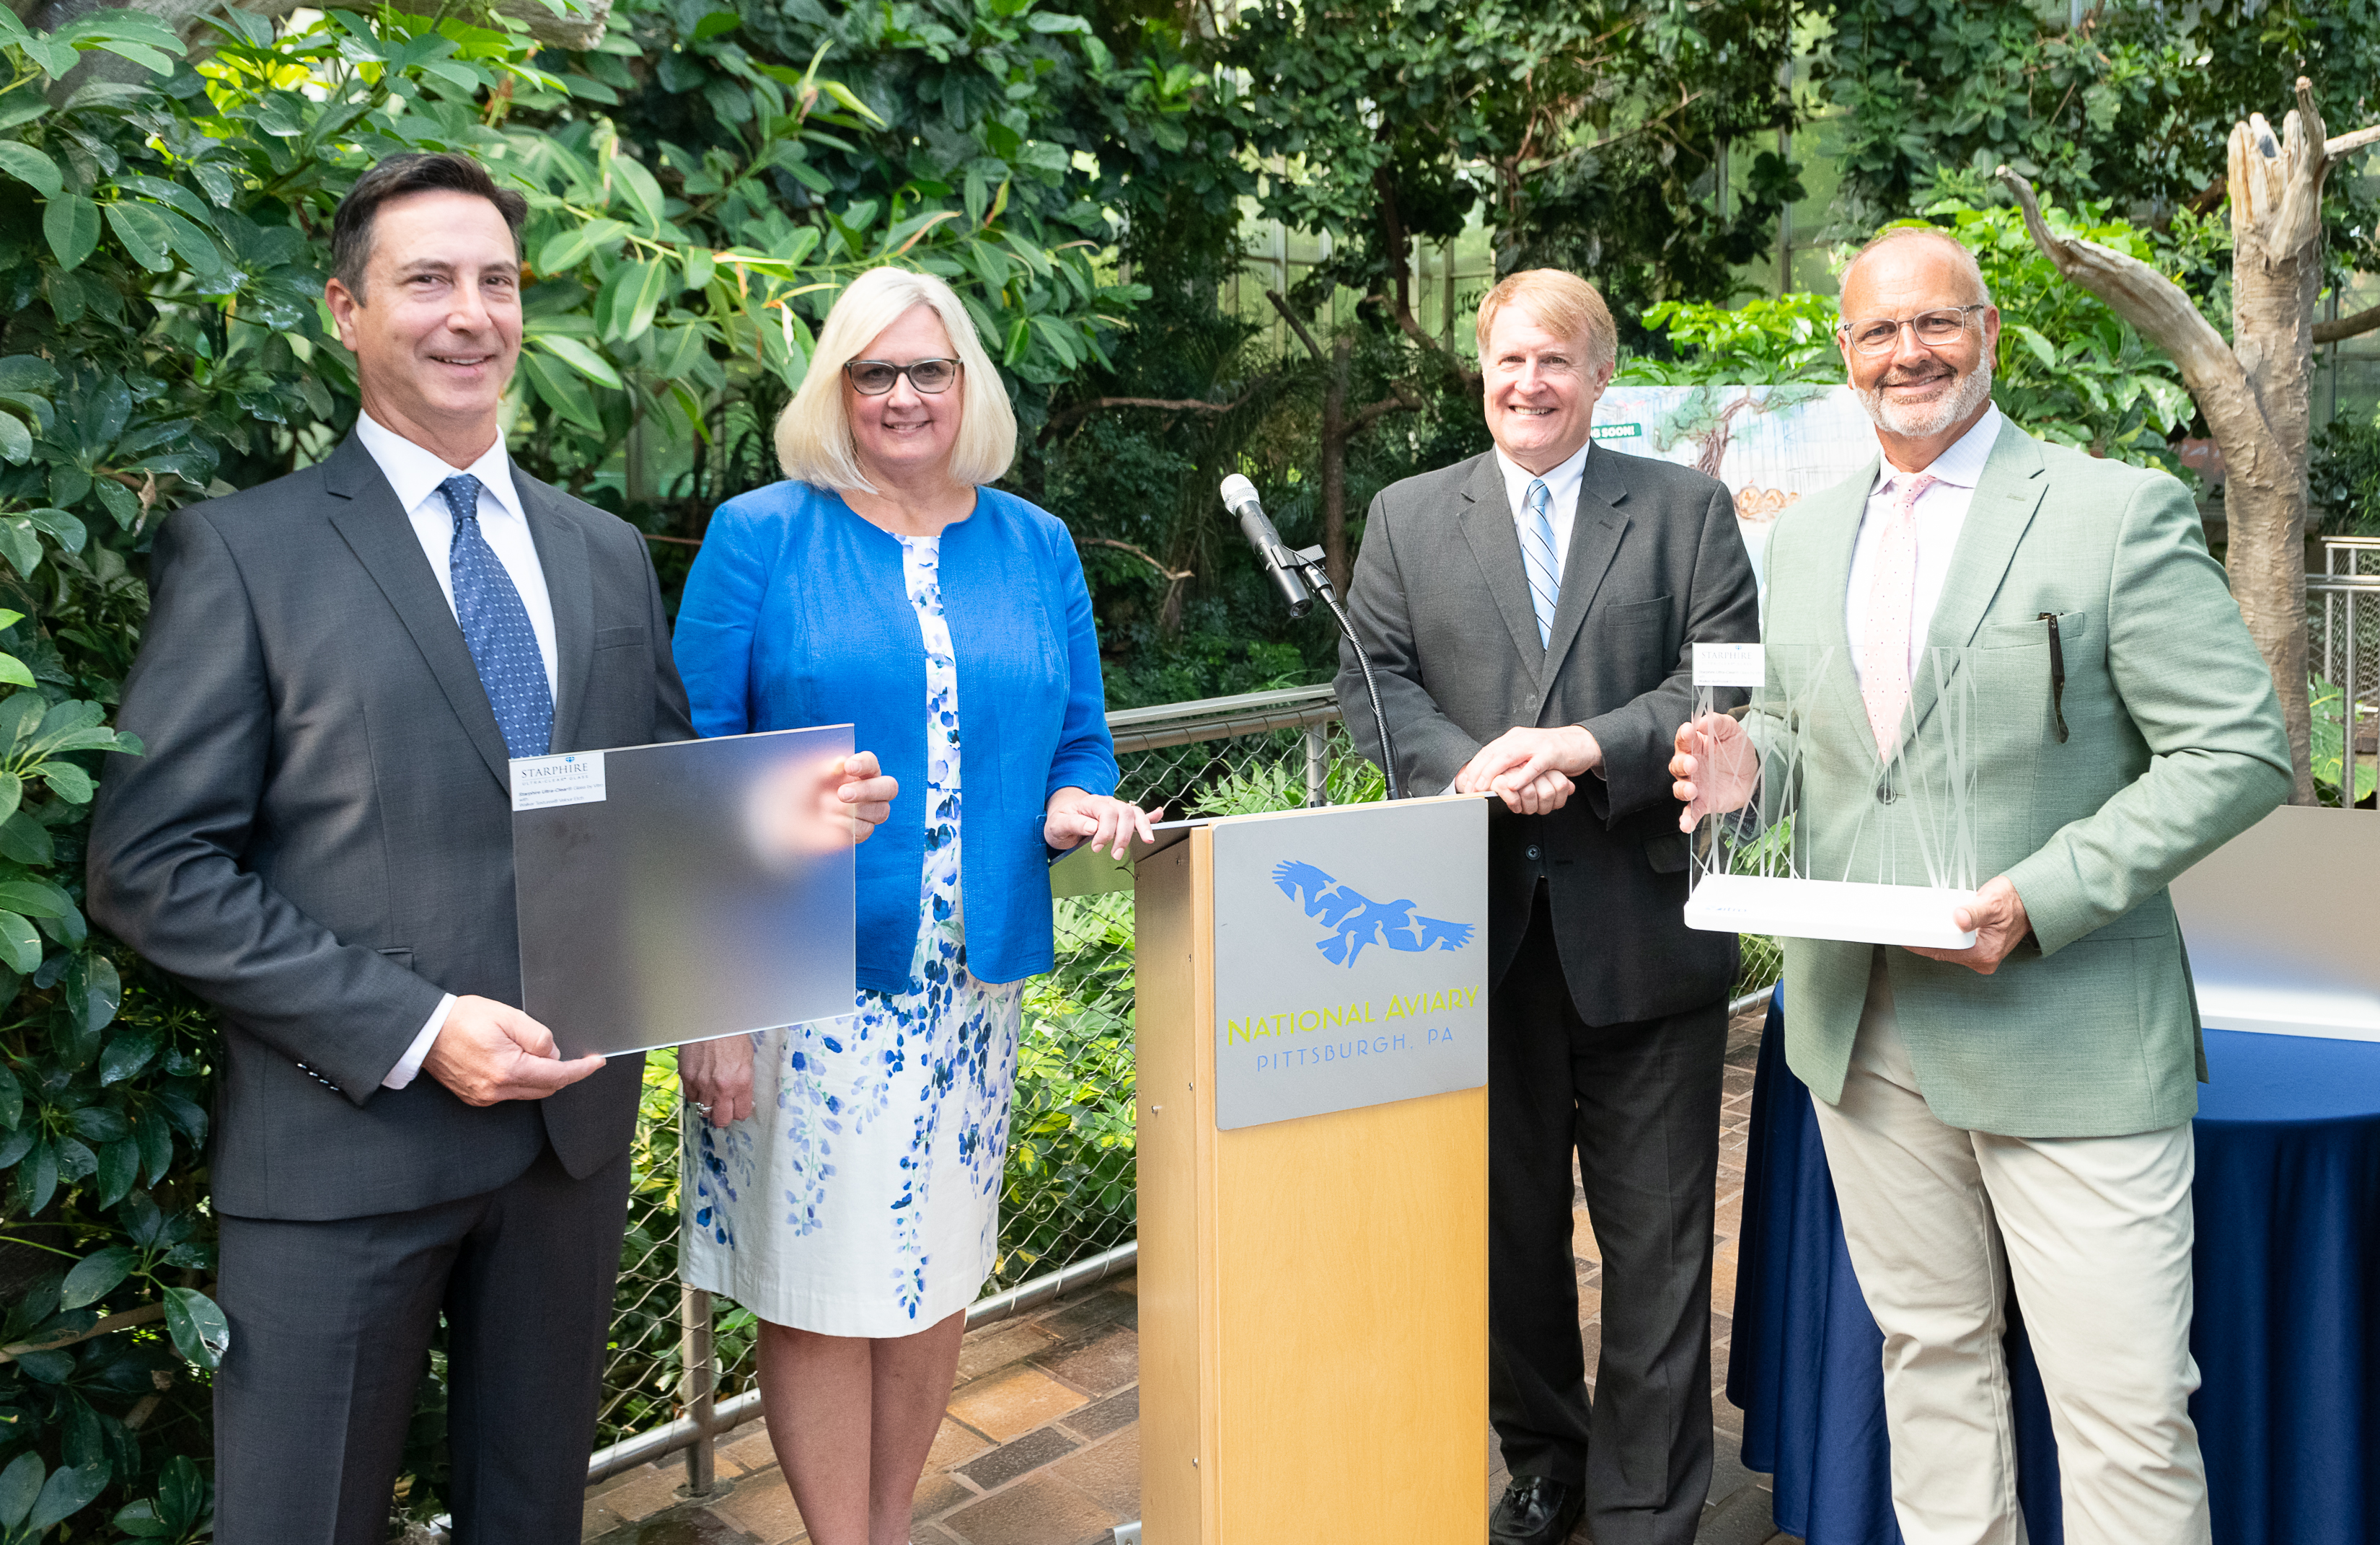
{"type": "Point", "coordinates": [1918, 422]}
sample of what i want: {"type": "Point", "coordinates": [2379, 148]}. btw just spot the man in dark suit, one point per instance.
{"type": "Point", "coordinates": [1529, 613]}
{"type": "Point", "coordinates": [336, 667]}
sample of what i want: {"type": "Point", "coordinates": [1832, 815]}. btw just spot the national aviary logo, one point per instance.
{"type": "Point", "coordinates": [1357, 919]}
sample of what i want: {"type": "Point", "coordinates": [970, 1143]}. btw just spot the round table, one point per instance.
{"type": "Point", "coordinates": [2286, 1334]}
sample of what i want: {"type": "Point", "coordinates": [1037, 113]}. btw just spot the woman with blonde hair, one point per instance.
{"type": "Point", "coordinates": [845, 1183]}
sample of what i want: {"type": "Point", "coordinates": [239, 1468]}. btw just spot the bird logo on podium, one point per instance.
{"type": "Point", "coordinates": [1356, 919]}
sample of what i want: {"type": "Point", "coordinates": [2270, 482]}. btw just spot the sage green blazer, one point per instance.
{"type": "Point", "coordinates": [2175, 745]}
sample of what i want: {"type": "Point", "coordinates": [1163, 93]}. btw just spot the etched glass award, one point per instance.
{"type": "Point", "coordinates": [1823, 813]}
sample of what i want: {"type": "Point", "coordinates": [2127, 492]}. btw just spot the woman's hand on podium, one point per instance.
{"type": "Point", "coordinates": [1714, 768]}
{"type": "Point", "coordinates": [1074, 816]}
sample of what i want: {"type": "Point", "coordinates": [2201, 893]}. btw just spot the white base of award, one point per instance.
{"type": "Point", "coordinates": [1846, 910]}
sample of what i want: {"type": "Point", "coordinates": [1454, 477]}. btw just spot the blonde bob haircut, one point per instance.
{"type": "Point", "coordinates": [1562, 303]}
{"type": "Point", "coordinates": [814, 440]}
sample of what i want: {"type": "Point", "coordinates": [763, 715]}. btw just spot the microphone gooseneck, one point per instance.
{"type": "Point", "coordinates": [1301, 577]}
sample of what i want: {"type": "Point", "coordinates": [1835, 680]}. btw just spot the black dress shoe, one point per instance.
{"type": "Point", "coordinates": [1534, 1511]}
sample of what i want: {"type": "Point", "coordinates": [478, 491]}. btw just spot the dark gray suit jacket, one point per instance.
{"type": "Point", "coordinates": [319, 840]}
{"type": "Point", "coordinates": [1440, 600]}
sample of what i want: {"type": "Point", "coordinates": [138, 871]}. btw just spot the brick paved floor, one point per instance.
{"type": "Point", "coordinates": [1042, 1443]}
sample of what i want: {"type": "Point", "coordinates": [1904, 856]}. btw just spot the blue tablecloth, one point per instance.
{"type": "Point", "coordinates": [2287, 1336]}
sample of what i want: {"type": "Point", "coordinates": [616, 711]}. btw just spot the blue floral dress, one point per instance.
{"type": "Point", "coordinates": [862, 1195]}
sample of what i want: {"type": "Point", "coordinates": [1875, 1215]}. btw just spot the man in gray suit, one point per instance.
{"type": "Point", "coordinates": [1530, 613]}
{"type": "Point", "coordinates": [336, 667]}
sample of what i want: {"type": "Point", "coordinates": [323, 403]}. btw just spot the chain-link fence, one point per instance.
{"type": "Point", "coordinates": [681, 1364]}
{"type": "Point", "coordinates": [2343, 665]}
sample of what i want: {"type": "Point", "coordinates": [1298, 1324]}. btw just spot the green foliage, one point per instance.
{"type": "Point", "coordinates": [2327, 704]}
{"type": "Point", "coordinates": [1790, 338]}
{"type": "Point", "coordinates": [2343, 480]}
{"type": "Point", "coordinates": [2068, 369]}
{"type": "Point", "coordinates": [1585, 133]}
{"type": "Point", "coordinates": [2133, 109]}
{"type": "Point", "coordinates": [162, 255]}
{"type": "Point", "coordinates": [1068, 1189]}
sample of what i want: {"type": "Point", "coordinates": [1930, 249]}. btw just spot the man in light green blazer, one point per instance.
{"type": "Point", "coordinates": [2020, 1109]}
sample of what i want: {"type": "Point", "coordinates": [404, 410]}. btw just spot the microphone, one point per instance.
{"type": "Point", "coordinates": [1240, 498]}
{"type": "Point", "coordinates": [1300, 577]}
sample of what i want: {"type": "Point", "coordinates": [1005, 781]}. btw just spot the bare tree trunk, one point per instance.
{"type": "Point", "coordinates": [2276, 273]}
{"type": "Point", "coordinates": [2256, 393]}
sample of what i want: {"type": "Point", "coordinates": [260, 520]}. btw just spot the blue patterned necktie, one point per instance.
{"type": "Point", "coordinates": [496, 629]}
{"type": "Point", "coordinates": [1538, 557]}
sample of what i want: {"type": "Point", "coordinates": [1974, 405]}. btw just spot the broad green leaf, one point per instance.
{"type": "Point", "coordinates": [67, 1492]}
{"type": "Point", "coordinates": [631, 178]}
{"type": "Point", "coordinates": [70, 531]}
{"type": "Point", "coordinates": [97, 1274]}
{"type": "Point", "coordinates": [198, 1327]}
{"type": "Point", "coordinates": [16, 439]}
{"type": "Point", "coordinates": [37, 1180]}
{"type": "Point", "coordinates": [714, 24]}
{"type": "Point", "coordinates": [560, 390]}
{"type": "Point", "coordinates": [679, 350]}
{"type": "Point", "coordinates": [20, 944]}
{"type": "Point", "coordinates": [119, 1169]}
{"type": "Point", "coordinates": [155, 1135]}
{"type": "Point", "coordinates": [12, 790]}
{"type": "Point", "coordinates": [30, 168]}
{"type": "Point", "coordinates": [70, 224]}
{"type": "Point", "coordinates": [699, 267]}
{"type": "Point", "coordinates": [566, 250]}
{"type": "Point", "coordinates": [1020, 336]}
{"type": "Point", "coordinates": [19, 544]}
{"type": "Point", "coordinates": [21, 1483]}
{"type": "Point", "coordinates": [585, 360]}
{"type": "Point", "coordinates": [26, 373]}
{"type": "Point", "coordinates": [25, 839]}
{"type": "Point", "coordinates": [143, 231]}
{"type": "Point", "coordinates": [634, 312]}
{"type": "Point", "coordinates": [33, 898]}
{"type": "Point", "coordinates": [139, 1519]}
{"type": "Point", "coordinates": [16, 673]}
{"type": "Point", "coordinates": [68, 781]}
{"type": "Point", "coordinates": [127, 1054]}
{"type": "Point", "coordinates": [102, 992]}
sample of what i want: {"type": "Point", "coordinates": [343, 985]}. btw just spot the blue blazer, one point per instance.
{"type": "Point", "coordinates": [795, 613]}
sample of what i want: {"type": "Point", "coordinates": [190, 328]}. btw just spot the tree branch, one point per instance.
{"type": "Point", "coordinates": [2348, 144]}
{"type": "Point", "coordinates": [2347, 327]}
{"type": "Point", "coordinates": [141, 1316]}
{"type": "Point", "coordinates": [1174, 573]}
{"type": "Point", "coordinates": [1075, 412]}
{"type": "Point", "coordinates": [2140, 295]}
{"type": "Point", "coordinates": [1400, 398]}
{"type": "Point", "coordinates": [1295, 324]}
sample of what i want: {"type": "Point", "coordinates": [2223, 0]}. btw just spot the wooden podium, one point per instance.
{"type": "Point", "coordinates": [1314, 1290]}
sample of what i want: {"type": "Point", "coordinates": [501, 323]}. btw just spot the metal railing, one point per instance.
{"type": "Point", "coordinates": [2343, 657]}
{"type": "Point", "coordinates": [681, 1370]}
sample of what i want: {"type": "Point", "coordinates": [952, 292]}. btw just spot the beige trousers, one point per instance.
{"type": "Point", "coordinates": [2095, 1232]}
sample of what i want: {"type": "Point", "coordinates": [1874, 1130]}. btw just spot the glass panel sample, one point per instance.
{"type": "Point", "coordinates": [702, 888]}
{"type": "Point", "coordinates": [1826, 832]}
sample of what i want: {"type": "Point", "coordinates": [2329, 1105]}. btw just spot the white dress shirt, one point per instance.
{"type": "Point", "coordinates": [1941, 513]}
{"type": "Point", "coordinates": [1561, 506]}
{"type": "Point", "coordinates": [415, 474]}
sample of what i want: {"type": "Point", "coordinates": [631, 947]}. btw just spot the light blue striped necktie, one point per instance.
{"type": "Point", "coordinates": [1538, 557]}
{"type": "Point", "coordinates": [496, 628]}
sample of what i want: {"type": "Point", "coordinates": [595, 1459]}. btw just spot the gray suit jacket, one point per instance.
{"type": "Point", "coordinates": [1441, 599]}
{"type": "Point", "coordinates": [319, 840]}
